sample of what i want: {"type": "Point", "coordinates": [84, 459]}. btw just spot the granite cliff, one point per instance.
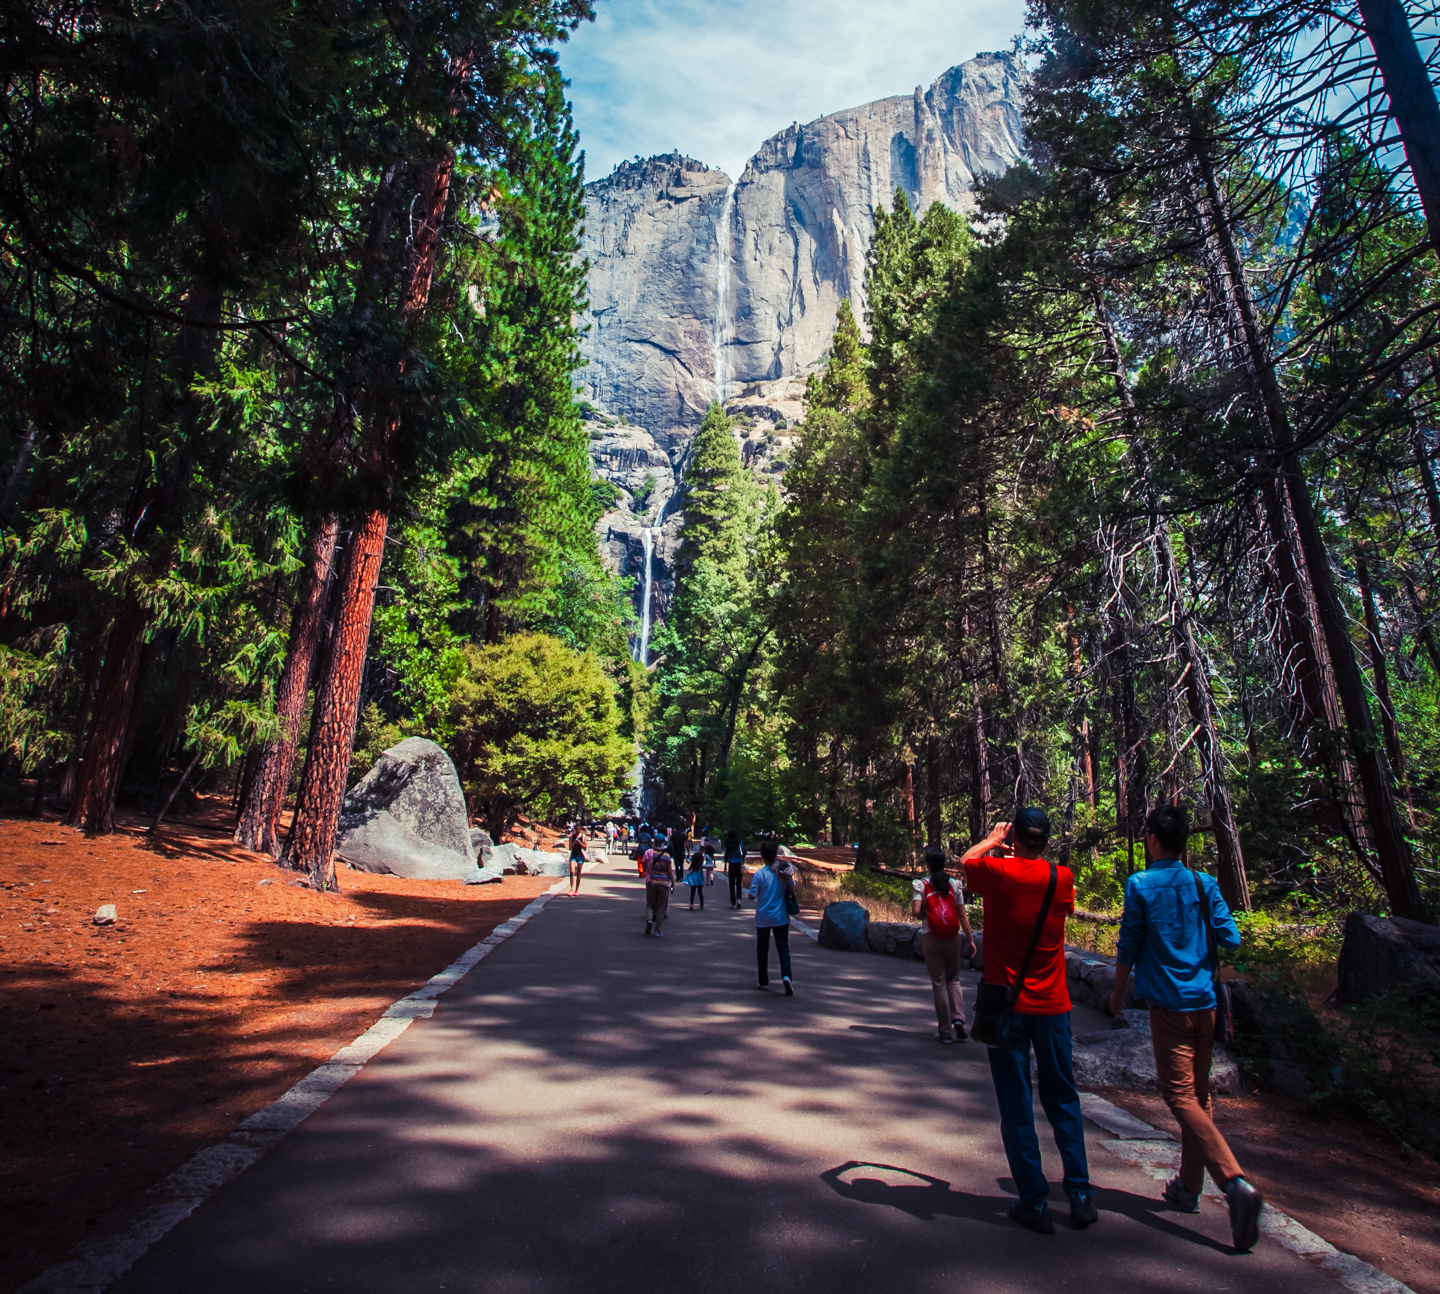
{"type": "Point", "coordinates": [703, 287]}
{"type": "Point", "coordinates": [699, 285]}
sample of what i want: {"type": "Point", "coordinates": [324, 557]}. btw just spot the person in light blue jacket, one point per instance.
{"type": "Point", "coordinates": [1171, 917]}
{"type": "Point", "coordinates": [768, 888]}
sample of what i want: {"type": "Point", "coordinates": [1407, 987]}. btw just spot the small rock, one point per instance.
{"type": "Point", "coordinates": [267, 882]}
{"type": "Point", "coordinates": [105, 915]}
{"type": "Point", "coordinates": [486, 876]}
{"type": "Point", "coordinates": [845, 926]}
{"type": "Point", "coordinates": [480, 839]}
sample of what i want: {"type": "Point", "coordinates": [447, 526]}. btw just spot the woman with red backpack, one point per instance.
{"type": "Point", "coordinates": [943, 919]}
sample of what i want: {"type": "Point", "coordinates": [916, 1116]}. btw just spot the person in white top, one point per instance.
{"type": "Point", "coordinates": [943, 921]}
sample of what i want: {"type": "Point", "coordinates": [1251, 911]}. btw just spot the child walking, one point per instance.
{"type": "Point", "coordinates": [695, 879]}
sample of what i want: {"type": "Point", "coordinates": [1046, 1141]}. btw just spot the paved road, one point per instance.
{"type": "Point", "coordinates": [594, 1111]}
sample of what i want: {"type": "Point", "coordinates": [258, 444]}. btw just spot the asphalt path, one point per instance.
{"type": "Point", "coordinates": [591, 1110]}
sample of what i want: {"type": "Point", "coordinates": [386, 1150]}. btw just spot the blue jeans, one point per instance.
{"type": "Point", "coordinates": [1010, 1072]}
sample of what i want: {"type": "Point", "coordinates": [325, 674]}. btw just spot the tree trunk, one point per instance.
{"type": "Point", "coordinates": [93, 807]}
{"type": "Point", "coordinates": [265, 795]}
{"type": "Point", "coordinates": [1396, 865]}
{"type": "Point", "coordinates": [907, 796]}
{"type": "Point", "coordinates": [934, 825]}
{"type": "Point", "coordinates": [174, 791]}
{"type": "Point", "coordinates": [311, 841]}
{"type": "Point", "coordinates": [1412, 100]}
{"type": "Point", "coordinates": [1199, 694]}
{"type": "Point", "coordinates": [979, 772]}
{"type": "Point", "coordinates": [1381, 676]}
{"type": "Point", "coordinates": [17, 473]}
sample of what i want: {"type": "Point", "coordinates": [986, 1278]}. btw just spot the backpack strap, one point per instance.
{"type": "Point", "coordinates": [1018, 986]}
{"type": "Point", "coordinates": [1209, 925]}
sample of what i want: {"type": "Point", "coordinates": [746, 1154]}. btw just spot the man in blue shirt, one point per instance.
{"type": "Point", "coordinates": [768, 888]}
{"type": "Point", "coordinates": [1165, 937]}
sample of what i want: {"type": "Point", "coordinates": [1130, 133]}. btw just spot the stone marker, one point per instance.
{"type": "Point", "coordinates": [407, 817]}
{"type": "Point", "coordinates": [105, 915]}
{"type": "Point", "coordinates": [844, 925]}
{"type": "Point", "coordinates": [896, 938]}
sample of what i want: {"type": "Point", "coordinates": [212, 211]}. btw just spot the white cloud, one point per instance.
{"type": "Point", "coordinates": [716, 78]}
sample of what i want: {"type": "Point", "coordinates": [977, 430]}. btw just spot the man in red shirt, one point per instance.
{"type": "Point", "coordinates": [1012, 883]}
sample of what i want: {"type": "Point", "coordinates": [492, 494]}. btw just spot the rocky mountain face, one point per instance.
{"type": "Point", "coordinates": [698, 283]}
{"type": "Point", "coordinates": [702, 287]}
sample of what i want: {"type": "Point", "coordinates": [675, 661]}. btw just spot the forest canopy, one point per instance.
{"type": "Point", "coordinates": [288, 347]}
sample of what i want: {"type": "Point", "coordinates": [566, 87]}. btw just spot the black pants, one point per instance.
{"type": "Point", "coordinates": [762, 950]}
{"type": "Point", "coordinates": [736, 874]}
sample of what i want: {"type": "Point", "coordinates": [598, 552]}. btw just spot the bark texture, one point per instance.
{"type": "Point", "coordinates": [270, 779]}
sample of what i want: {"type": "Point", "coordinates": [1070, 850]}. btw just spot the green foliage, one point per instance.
{"type": "Point", "coordinates": [533, 729]}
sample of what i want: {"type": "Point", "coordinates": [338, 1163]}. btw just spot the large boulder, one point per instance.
{"type": "Point", "coordinates": [845, 925]}
{"type": "Point", "coordinates": [897, 938]}
{"type": "Point", "coordinates": [407, 816]}
{"type": "Point", "coordinates": [1091, 979]}
{"type": "Point", "coordinates": [1280, 1041]}
{"type": "Point", "coordinates": [1124, 1057]}
{"type": "Point", "coordinates": [1382, 954]}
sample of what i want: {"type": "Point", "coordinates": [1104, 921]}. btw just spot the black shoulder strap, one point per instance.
{"type": "Point", "coordinates": [1209, 925]}
{"type": "Point", "coordinates": [1019, 985]}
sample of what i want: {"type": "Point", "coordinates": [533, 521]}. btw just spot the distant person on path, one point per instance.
{"type": "Point", "coordinates": [768, 888]}
{"type": "Point", "coordinates": [1173, 921]}
{"type": "Point", "coordinates": [695, 879]}
{"type": "Point", "coordinates": [943, 919]}
{"type": "Point", "coordinates": [709, 863]}
{"type": "Point", "coordinates": [610, 834]}
{"type": "Point", "coordinates": [735, 865]}
{"type": "Point", "coordinates": [659, 886]}
{"type": "Point", "coordinates": [1013, 884]}
{"type": "Point", "coordinates": [577, 859]}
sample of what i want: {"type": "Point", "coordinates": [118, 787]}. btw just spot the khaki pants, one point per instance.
{"type": "Point", "coordinates": [1183, 1041]}
{"type": "Point", "coordinates": [942, 960]}
{"type": "Point", "coordinates": [657, 903]}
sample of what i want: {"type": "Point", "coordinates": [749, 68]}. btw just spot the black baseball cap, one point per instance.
{"type": "Point", "coordinates": [1032, 827]}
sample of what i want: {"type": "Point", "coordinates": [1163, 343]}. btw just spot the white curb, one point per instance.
{"type": "Point", "coordinates": [99, 1263]}
{"type": "Point", "coordinates": [1158, 1154]}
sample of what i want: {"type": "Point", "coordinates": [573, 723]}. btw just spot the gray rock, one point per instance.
{"type": "Point", "coordinates": [105, 915]}
{"type": "Point", "coordinates": [790, 238]}
{"type": "Point", "coordinates": [844, 925]}
{"type": "Point", "coordinates": [485, 876]}
{"type": "Point", "coordinates": [1124, 1057]}
{"type": "Point", "coordinates": [480, 840]}
{"type": "Point", "coordinates": [540, 862]}
{"type": "Point", "coordinates": [1383, 954]}
{"type": "Point", "coordinates": [1091, 979]}
{"type": "Point", "coordinates": [1279, 1040]}
{"type": "Point", "coordinates": [896, 938]}
{"type": "Point", "coordinates": [407, 817]}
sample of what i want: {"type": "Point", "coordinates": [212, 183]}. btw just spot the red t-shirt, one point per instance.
{"type": "Point", "coordinates": [1013, 889]}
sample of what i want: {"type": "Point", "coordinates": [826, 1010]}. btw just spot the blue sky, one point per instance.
{"type": "Point", "coordinates": [715, 78]}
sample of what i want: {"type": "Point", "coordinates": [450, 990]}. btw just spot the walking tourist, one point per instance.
{"type": "Point", "coordinates": [943, 919]}
{"type": "Point", "coordinates": [1173, 921]}
{"type": "Point", "coordinates": [709, 863]}
{"type": "Point", "coordinates": [769, 887]}
{"type": "Point", "coordinates": [695, 879]}
{"type": "Point", "coordinates": [577, 859]}
{"type": "Point", "coordinates": [610, 834]}
{"type": "Point", "coordinates": [734, 865]}
{"type": "Point", "coordinates": [659, 886]}
{"type": "Point", "coordinates": [1026, 901]}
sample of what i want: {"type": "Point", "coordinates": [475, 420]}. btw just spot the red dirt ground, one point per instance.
{"type": "Point", "coordinates": [1331, 1174]}
{"type": "Point", "coordinates": [125, 1049]}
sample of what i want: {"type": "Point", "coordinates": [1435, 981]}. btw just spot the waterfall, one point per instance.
{"type": "Point", "coordinates": [723, 329]}
{"type": "Point", "coordinates": [647, 540]}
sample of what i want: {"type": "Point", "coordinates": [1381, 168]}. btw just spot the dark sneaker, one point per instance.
{"type": "Point", "coordinates": [1245, 1203]}
{"type": "Point", "coordinates": [1082, 1209]}
{"type": "Point", "coordinates": [1036, 1219]}
{"type": "Point", "coordinates": [1177, 1197]}
{"type": "Point", "coordinates": [789, 987]}
{"type": "Point", "coordinates": [960, 1034]}
{"type": "Point", "coordinates": [942, 1036]}
{"type": "Point", "coordinates": [649, 926]}
{"type": "Point", "coordinates": [763, 985]}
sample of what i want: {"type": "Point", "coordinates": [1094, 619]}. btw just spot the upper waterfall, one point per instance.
{"type": "Point", "coordinates": [724, 325]}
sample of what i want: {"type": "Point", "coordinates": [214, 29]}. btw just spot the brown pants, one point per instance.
{"type": "Point", "coordinates": [942, 960]}
{"type": "Point", "coordinates": [1183, 1041]}
{"type": "Point", "coordinates": [657, 903]}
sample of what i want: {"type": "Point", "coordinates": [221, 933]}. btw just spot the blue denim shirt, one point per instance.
{"type": "Point", "coordinates": [1162, 935]}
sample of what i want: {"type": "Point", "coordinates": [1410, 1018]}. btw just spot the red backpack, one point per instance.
{"type": "Point", "coordinates": [941, 914]}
